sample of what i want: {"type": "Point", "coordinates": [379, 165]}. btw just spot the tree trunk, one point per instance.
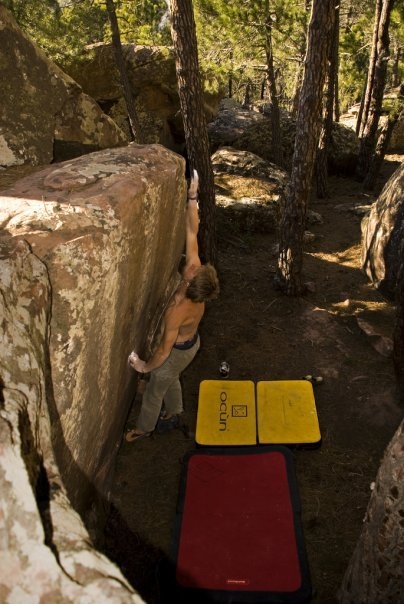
{"type": "Point", "coordinates": [277, 153]}
{"type": "Point", "coordinates": [134, 124]}
{"type": "Point", "coordinates": [380, 152]}
{"type": "Point", "coordinates": [183, 33]}
{"type": "Point", "coordinates": [335, 63]}
{"type": "Point", "coordinates": [367, 91]}
{"type": "Point", "coordinates": [299, 72]}
{"type": "Point", "coordinates": [292, 223]}
{"type": "Point", "coordinates": [395, 71]}
{"type": "Point", "coordinates": [248, 94]}
{"type": "Point", "coordinates": [296, 90]}
{"type": "Point", "coordinates": [360, 112]}
{"type": "Point", "coordinates": [375, 572]}
{"type": "Point", "coordinates": [326, 130]}
{"type": "Point", "coordinates": [375, 89]}
{"type": "Point", "coordinates": [231, 78]}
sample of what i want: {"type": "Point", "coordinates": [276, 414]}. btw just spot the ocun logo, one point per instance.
{"type": "Point", "coordinates": [238, 410]}
{"type": "Point", "coordinates": [223, 415]}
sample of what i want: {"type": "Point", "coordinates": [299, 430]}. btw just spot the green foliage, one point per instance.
{"type": "Point", "coordinates": [355, 47]}
{"type": "Point", "coordinates": [232, 41]}
{"type": "Point", "coordinates": [397, 38]}
{"type": "Point", "coordinates": [63, 29]}
{"type": "Point", "coordinates": [39, 18]}
{"type": "Point", "coordinates": [231, 37]}
{"type": "Point", "coordinates": [144, 22]}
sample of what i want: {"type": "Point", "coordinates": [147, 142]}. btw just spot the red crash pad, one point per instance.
{"type": "Point", "coordinates": [238, 534]}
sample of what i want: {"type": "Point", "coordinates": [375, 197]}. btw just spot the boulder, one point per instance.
{"type": "Point", "coordinates": [46, 553]}
{"type": "Point", "coordinates": [396, 144]}
{"type": "Point", "coordinates": [249, 190]}
{"type": "Point", "coordinates": [153, 81]}
{"type": "Point", "coordinates": [383, 236]}
{"type": "Point", "coordinates": [231, 121]}
{"type": "Point", "coordinates": [250, 130]}
{"type": "Point", "coordinates": [392, 99]}
{"type": "Point", "coordinates": [105, 233]}
{"type": "Point", "coordinates": [45, 114]}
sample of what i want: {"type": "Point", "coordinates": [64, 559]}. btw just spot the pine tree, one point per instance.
{"type": "Point", "coordinates": [376, 81]}
{"type": "Point", "coordinates": [194, 119]}
{"type": "Point", "coordinates": [120, 62]}
{"type": "Point", "coordinates": [290, 260]}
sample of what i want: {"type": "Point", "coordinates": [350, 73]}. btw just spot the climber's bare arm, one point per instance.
{"type": "Point", "coordinates": [192, 223]}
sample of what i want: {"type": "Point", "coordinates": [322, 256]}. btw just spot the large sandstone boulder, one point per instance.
{"type": "Point", "coordinates": [391, 101]}
{"type": "Point", "coordinates": [45, 550]}
{"type": "Point", "coordinates": [249, 190]}
{"type": "Point", "coordinates": [251, 130]}
{"type": "Point", "coordinates": [231, 122]}
{"type": "Point", "coordinates": [152, 77]}
{"type": "Point", "coordinates": [396, 144]}
{"type": "Point", "coordinates": [45, 115]}
{"type": "Point", "coordinates": [383, 236]}
{"type": "Point", "coordinates": [89, 257]}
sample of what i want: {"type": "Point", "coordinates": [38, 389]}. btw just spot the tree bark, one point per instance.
{"type": "Point", "coordinates": [134, 124]}
{"type": "Point", "coordinates": [375, 87]}
{"type": "Point", "coordinates": [375, 572]}
{"type": "Point", "coordinates": [299, 73]}
{"type": "Point", "coordinates": [289, 272]}
{"type": "Point", "coordinates": [367, 91]}
{"type": "Point", "coordinates": [380, 151]}
{"type": "Point", "coordinates": [183, 33]}
{"type": "Point", "coordinates": [326, 130]}
{"type": "Point", "coordinates": [335, 62]}
{"type": "Point", "coordinates": [395, 71]}
{"type": "Point", "coordinates": [275, 112]}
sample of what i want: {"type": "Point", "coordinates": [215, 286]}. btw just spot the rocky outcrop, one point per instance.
{"type": "Point", "coordinates": [45, 550]}
{"type": "Point", "coordinates": [396, 144]}
{"type": "Point", "coordinates": [383, 236]}
{"type": "Point", "coordinates": [251, 130]}
{"type": "Point", "coordinates": [153, 81]}
{"type": "Point", "coordinates": [249, 190]}
{"type": "Point", "coordinates": [375, 570]}
{"type": "Point", "coordinates": [89, 255]}
{"type": "Point", "coordinates": [231, 122]}
{"type": "Point", "coordinates": [392, 99]}
{"type": "Point", "coordinates": [45, 114]}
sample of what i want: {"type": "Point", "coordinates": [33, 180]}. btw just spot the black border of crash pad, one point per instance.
{"type": "Point", "coordinates": [184, 595]}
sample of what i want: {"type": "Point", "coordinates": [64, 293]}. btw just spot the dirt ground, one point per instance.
{"type": "Point", "coordinates": [340, 331]}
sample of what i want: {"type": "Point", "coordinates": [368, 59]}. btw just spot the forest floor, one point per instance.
{"type": "Point", "coordinates": [341, 331]}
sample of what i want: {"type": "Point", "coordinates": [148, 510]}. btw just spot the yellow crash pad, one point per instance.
{"type": "Point", "coordinates": [286, 413]}
{"type": "Point", "coordinates": [226, 413]}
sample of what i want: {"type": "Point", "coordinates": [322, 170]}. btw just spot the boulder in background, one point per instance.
{"type": "Point", "coordinates": [383, 236]}
{"type": "Point", "coordinates": [45, 114]}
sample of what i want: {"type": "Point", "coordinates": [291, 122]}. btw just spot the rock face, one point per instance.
{"type": "Point", "coordinates": [231, 122]}
{"type": "Point", "coordinates": [251, 130]}
{"type": "Point", "coordinates": [396, 144]}
{"type": "Point", "coordinates": [89, 255]}
{"type": "Point", "coordinates": [250, 190]}
{"type": "Point", "coordinates": [45, 550]}
{"type": "Point", "coordinates": [45, 114]}
{"type": "Point", "coordinates": [383, 236]}
{"type": "Point", "coordinates": [152, 77]}
{"type": "Point", "coordinates": [375, 571]}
